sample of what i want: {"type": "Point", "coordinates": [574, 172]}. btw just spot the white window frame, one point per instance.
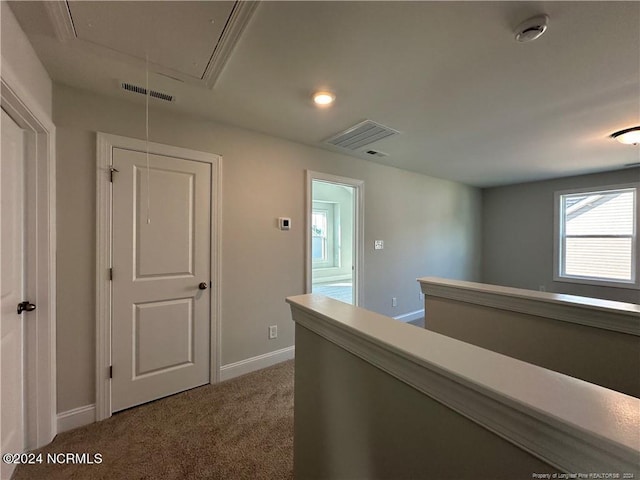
{"type": "Point", "coordinates": [558, 240]}
{"type": "Point", "coordinates": [332, 235]}
{"type": "Point", "coordinates": [325, 247]}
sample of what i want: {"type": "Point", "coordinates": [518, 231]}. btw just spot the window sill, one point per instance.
{"type": "Point", "coordinates": [597, 283]}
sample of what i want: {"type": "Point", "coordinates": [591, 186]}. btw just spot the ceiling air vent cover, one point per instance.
{"type": "Point", "coordinates": [362, 134]}
{"type": "Point", "coordinates": [130, 87]}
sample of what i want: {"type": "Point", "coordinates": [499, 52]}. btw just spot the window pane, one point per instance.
{"type": "Point", "coordinates": [608, 258]}
{"type": "Point", "coordinates": [599, 213]}
{"type": "Point", "coordinates": [319, 223]}
{"type": "Point", "coordinates": [318, 235]}
{"type": "Point", "coordinates": [317, 250]}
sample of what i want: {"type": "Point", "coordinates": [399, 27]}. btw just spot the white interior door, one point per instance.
{"type": "Point", "coordinates": [12, 283]}
{"type": "Point", "coordinates": [161, 276]}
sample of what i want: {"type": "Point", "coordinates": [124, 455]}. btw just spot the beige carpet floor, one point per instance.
{"type": "Point", "coordinates": [238, 429]}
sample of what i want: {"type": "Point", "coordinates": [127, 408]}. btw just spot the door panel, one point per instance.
{"type": "Point", "coordinates": [161, 253]}
{"type": "Point", "coordinates": [164, 247]}
{"type": "Point", "coordinates": [163, 336]}
{"type": "Point", "coordinates": [12, 282]}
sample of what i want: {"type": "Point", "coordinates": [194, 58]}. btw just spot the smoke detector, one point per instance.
{"type": "Point", "coordinates": [532, 28]}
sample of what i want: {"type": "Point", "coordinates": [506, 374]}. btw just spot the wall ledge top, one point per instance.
{"type": "Point", "coordinates": [570, 424]}
{"type": "Point", "coordinates": [593, 312]}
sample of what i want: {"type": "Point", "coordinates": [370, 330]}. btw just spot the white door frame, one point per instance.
{"type": "Point", "coordinates": [358, 237]}
{"type": "Point", "coordinates": [105, 145]}
{"type": "Point", "coordinates": [40, 255]}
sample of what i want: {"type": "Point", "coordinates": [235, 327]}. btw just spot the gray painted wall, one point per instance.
{"type": "Point", "coordinates": [517, 234]}
{"type": "Point", "coordinates": [19, 56]}
{"type": "Point", "coordinates": [354, 421]}
{"type": "Point", "coordinates": [599, 356]}
{"type": "Point", "coordinates": [430, 227]}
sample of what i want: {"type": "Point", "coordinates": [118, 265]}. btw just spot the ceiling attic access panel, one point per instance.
{"type": "Point", "coordinates": [179, 36]}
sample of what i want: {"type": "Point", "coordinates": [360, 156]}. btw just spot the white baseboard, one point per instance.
{"type": "Point", "coordinates": [85, 415]}
{"type": "Point", "coordinates": [77, 417]}
{"type": "Point", "coordinates": [252, 364]}
{"type": "Point", "coordinates": [410, 317]}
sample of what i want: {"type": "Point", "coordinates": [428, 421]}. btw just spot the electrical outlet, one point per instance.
{"type": "Point", "coordinates": [394, 302]}
{"type": "Point", "coordinates": [378, 245]}
{"type": "Point", "coordinates": [273, 332]}
{"type": "Point", "coordinates": [542, 288]}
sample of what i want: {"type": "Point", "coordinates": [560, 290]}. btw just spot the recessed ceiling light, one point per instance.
{"type": "Point", "coordinates": [323, 99]}
{"type": "Point", "coordinates": [628, 136]}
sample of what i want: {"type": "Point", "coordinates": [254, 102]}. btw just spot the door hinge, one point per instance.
{"type": "Point", "coordinates": [110, 371]}
{"type": "Point", "coordinates": [111, 274]}
{"type": "Point", "coordinates": [111, 172]}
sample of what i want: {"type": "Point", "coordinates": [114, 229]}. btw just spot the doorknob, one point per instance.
{"type": "Point", "coordinates": [25, 307]}
{"type": "Point", "coordinates": [202, 286]}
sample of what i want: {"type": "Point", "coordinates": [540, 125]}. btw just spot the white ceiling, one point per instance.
{"type": "Point", "coordinates": [471, 103]}
{"type": "Point", "coordinates": [181, 39]}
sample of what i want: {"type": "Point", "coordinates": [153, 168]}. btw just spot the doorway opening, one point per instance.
{"type": "Point", "coordinates": [334, 236]}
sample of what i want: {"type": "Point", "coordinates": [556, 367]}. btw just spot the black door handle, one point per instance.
{"type": "Point", "coordinates": [202, 286]}
{"type": "Point", "coordinates": [25, 307]}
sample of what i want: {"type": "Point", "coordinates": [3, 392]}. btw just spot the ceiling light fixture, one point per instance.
{"type": "Point", "coordinates": [323, 99]}
{"type": "Point", "coordinates": [628, 136]}
{"type": "Point", "coordinates": [532, 28]}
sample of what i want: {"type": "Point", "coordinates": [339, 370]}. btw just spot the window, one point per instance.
{"type": "Point", "coordinates": [319, 235]}
{"type": "Point", "coordinates": [325, 231]}
{"type": "Point", "coordinates": [596, 241]}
